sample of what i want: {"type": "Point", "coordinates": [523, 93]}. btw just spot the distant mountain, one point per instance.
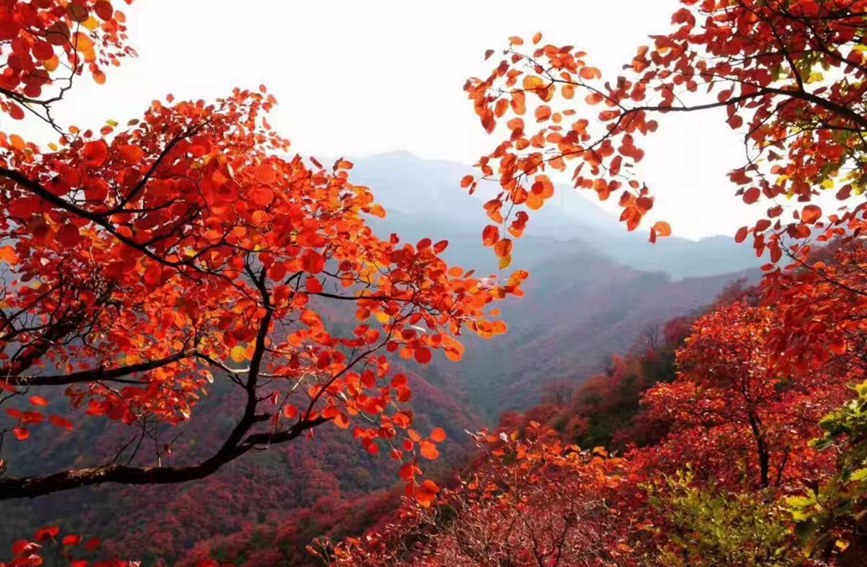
{"type": "Point", "coordinates": [579, 310]}
{"type": "Point", "coordinates": [423, 198]}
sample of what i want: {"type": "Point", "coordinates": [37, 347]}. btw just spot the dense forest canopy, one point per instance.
{"type": "Point", "coordinates": [188, 252]}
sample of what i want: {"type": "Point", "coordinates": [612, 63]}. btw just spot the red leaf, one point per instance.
{"type": "Point", "coordinates": [132, 155]}
{"type": "Point", "coordinates": [49, 532]}
{"type": "Point", "coordinates": [426, 493]}
{"type": "Point", "coordinates": [15, 111]}
{"type": "Point", "coordinates": [751, 195]}
{"type": "Point", "coordinates": [503, 248]}
{"type": "Point", "coordinates": [103, 9]}
{"type": "Point", "coordinates": [60, 422]}
{"type": "Point", "coordinates": [313, 262]}
{"type": "Point", "coordinates": [810, 214]}
{"type": "Point", "coordinates": [68, 235]}
{"type": "Point", "coordinates": [95, 153]}
{"type": "Point", "coordinates": [422, 355]}
{"type": "Point", "coordinates": [38, 401]}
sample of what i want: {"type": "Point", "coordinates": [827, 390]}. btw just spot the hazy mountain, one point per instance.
{"type": "Point", "coordinates": [423, 198]}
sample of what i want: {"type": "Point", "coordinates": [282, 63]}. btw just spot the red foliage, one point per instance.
{"type": "Point", "coordinates": [68, 550]}
{"type": "Point", "coordinates": [791, 75]}
{"type": "Point", "coordinates": [146, 262]}
{"type": "Point", "coordinates": [534, 501]}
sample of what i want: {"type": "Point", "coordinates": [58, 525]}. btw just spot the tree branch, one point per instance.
{"type": "Point", "coordinates": [30, 487]}
{"type": "Point", "coordinates": [95, 374]}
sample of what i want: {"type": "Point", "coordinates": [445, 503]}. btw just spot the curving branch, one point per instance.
{"type": "Point", "coordinates": [33, 486]}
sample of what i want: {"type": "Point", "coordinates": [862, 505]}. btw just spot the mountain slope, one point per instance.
{"type": "Point", "coordinates": [583, 303]}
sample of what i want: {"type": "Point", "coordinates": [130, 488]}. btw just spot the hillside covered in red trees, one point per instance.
{"type": "Point", "coordinates": [216, 351]}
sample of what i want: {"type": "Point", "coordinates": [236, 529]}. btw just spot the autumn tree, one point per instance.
{"type": "Point", "coordinates": [533, 501]}
{"type": "Point", "coordinates": [789, 74]}
{"type": "Point", "coordinates": [733, 411]}
{"type": "Point", "coordinates": [143, 262]}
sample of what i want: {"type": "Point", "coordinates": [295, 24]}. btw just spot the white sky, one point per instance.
{"type": "Point", "coordinates": [359, 78]}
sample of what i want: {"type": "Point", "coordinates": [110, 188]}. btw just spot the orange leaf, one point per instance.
{"type": "Point", "coordinates": [438, 435]}
{"type": "Point", "coordinates": [490, 235]}
{"type": "Point", "coordinates": [429, 450]}
{"type": "Point", "coordinates": [543, 187]}
{"type": "Point", "coordinates": [662, 228]}
{"type": "Point", "coordinates": [543, 113]}
{"type": "Point", "coordinates": [426, 493]}
{"type": "Point", "coordinates": [377, 211]}
{"type": "Point", "coordinates": [519, 102]}
{"type": "Point", "coordinates": [590, 73]}
{"type": "Point", "coordinates": [532, 83]}
{"type": "Point", "coordinates": [341, 421]}
{"type": "Point", "coordinates": [503, 248]}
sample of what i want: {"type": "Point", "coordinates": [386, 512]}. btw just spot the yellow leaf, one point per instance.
{"type": "Point", "coordinates": [382, 317]}
{"type": "Point", "coordinates": [239, 353]}
{"type": "Point", "coordinates": [91, 23]}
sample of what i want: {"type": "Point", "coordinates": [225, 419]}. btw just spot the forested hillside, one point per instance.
{"type": "Point", "coordinates": [563, 331]}
{"type": "Point", "coordinates": [217, 350]}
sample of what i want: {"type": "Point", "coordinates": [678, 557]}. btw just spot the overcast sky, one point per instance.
{"type": "Point", "coordinates": [358, 78]}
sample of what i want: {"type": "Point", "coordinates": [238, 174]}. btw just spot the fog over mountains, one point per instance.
{"type": "Point", "coordinates": [423, 198]}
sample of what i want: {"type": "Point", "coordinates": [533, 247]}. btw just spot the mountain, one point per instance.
{"type": "Point", "coordinates": [423, 198]}
{"type": "Point", "coordinates": [579, 310]}
{"type": "Point", "coordinates": [593, 290]}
